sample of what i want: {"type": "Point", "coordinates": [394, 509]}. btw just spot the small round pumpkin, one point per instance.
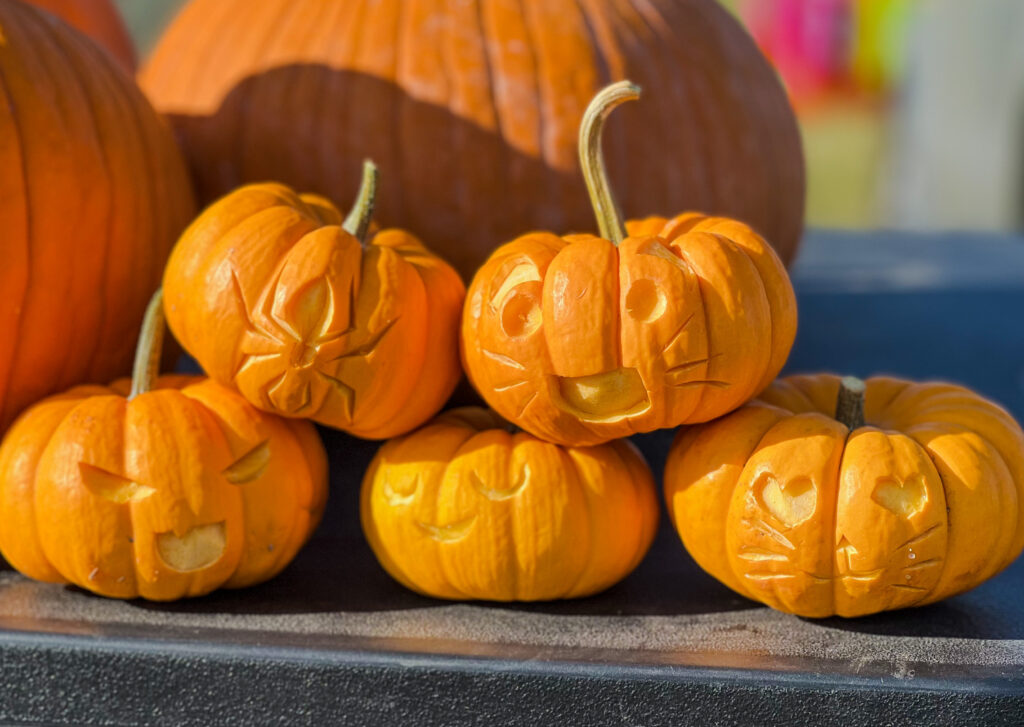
{"type": "Point", "coordinates": [101, 21]}
{"type": "Point", "coordinates": [158, 489]}
{"type": "Point", "coordinates": [465, 509]}
{"type": "Point", "coordinates": [93, 193]}
{"type": "Point", "coordinates": [831, 497]}
{"type": "Point", "coordinates": [278, 297]}
{"type": "Point", "coordinates": [582, 339]}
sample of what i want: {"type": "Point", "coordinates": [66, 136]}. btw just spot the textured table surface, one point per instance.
{"type": "Point", "coordinates": [334, 640]}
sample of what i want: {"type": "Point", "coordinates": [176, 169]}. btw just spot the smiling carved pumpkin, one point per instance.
{"type": "Point", "coordinates": [464, 509]}
{"type": "Point", "coordinates": [275, 295]}
{"type": "Point", "coordinates": [582, 339]}
{"type": "Point", "coordinates": [821, 499]}
{"type": "Point", "coordinates": [163, 493]}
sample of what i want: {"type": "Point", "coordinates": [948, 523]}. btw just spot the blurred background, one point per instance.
{"type": "Point", "coordinates": [912, 111]}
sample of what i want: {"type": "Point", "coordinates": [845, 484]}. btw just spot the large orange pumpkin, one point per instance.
{"type": "Point", "coordinates": [100, 20]}
{"type": "Point", "coordinates": [471, 109]}
{"type": "Point", "coordinates": [159, 489]}
{"type": "Point", "coordinates": [310, 317]}
{"type": "Point", "coordinates": [93, 192]}
{"type": "Point", "coordinates": [819, 499]}
{"type": "Point", "coordinates": [465, 509]}
{"type": "Point", "coordinates": [582, 339]}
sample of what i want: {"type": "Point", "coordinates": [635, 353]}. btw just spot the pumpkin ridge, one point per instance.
{"type": "Point", "coordinates": [569, 465]}
{"type": "Point", "coordinates": [701, 282]}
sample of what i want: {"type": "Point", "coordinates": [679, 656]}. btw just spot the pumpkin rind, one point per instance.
{"type": "Point", "coordinates": [471, 109]}
{"type": "Point", "coordinates": [787, 506]}
{"type": "Point", "coordinates": [155, 496]}
{"type": "Point", "coordinates": [682, 322]}
{"type": "Point", "coordinates": [100, 20]}
{"type": "Point", "coordinates": [93, 192]}
{"type": "Point", "coordinates": [464, 509]}
{"type": "Point", "coordinates": [273, 297]}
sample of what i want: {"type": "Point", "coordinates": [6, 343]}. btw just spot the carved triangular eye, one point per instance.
{"type": "Point", "coordinates": [250, 465]}
{"type": "Point", "coordinates": [111, 486]}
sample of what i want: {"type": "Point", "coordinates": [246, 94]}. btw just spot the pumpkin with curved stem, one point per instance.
{"type": "Point", "coordinates": [100, 20]}
{"type": "Point", "coordinates": [582, 339]}
{"type": "Point", "coordinates": [831, 497]}
{"type": "Point", "coordinates": [471, 109]}
{"type": "Point", "coordinates": [157, 488]}
{"type": "Point", "coordinates": [94, 193]}
{"type": "Point", "coordinates": [465, 509]}
{"type": "Point", "coordinates": [275, 295]}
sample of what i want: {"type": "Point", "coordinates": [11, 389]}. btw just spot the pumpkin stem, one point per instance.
{"type": "Point", "coordinates": [358, 220]}
{"type": "Point", "coordinates": [850, 402]}
{"type": "Point", "coordinates": [150, 345]}
{"type": "Point", "coordinates": [609, 217]}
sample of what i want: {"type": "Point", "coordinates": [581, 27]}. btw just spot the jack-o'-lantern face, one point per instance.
{"type": "Point", "coordinates": [274, 297]}
{"type": "Point", "coordinates": [463, 509]}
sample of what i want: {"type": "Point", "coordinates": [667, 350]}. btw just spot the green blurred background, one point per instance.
{"type": "Point", "coordinates": [912, 111]}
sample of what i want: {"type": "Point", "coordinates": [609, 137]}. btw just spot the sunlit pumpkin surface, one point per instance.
{"type": "Point", "coordinates": [464, 509]}
{"type": "Point", "coordinates": [787, 506]}
{"type": "Point", "coordinates": [273, 297]}
{"type": "Point", "coordinates": [172, 493]}
{"type": "Point", "coordinates": [579, 341]}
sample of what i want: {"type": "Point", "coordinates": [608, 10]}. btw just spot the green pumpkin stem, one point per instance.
{"type": "Point", "coordinates": [358, 220]}
{"type": "Point", "coordinates": [850, 402]}
{"type": "Point", "coordinates": [609, 216]}
{"type": "Point", "coordinates": [150, 346]}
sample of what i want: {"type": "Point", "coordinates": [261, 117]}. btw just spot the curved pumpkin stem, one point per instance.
{"type": "Point", "coordinates": [609, 217]}
{"type": "Point", "coordinates": [150, 345]}
{"type": "Point", "coordinates": [358, 220]}
{"type": "Point", "coordinates": [850, 402]}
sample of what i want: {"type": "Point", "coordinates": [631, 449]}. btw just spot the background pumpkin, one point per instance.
{"type": "Point", "coordinates": [582, 339]}
{"type": "Point", "coordinates": [275, 296]}
{"type": "Point", "coordinates": [93, 192]}
{"type": "Point", "coordinates": [792, 508]}
{"type": "Point", "coordinates": [472, 108]}
{"type": "Point", "coordinates": [464, 509]}
{"type": "Point", "coordinates": [159, 489]}
{"type": "Point", "coordinates": [101, 21]}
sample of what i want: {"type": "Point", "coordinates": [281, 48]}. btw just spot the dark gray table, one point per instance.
{"type": "Point", "coordinates": [334, 641]}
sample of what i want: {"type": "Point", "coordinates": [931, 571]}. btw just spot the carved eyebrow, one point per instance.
{"type": "Point", "coordinates": [112, 486]}
{"type": "Point", "coordinates": [249, 466]}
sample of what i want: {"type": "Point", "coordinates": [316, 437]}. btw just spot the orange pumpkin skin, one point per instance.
{"type": "Point", "coordinates": [173, 493]}
{"type": "Point", "coordinates": [463, 509]}
{"type": "Point", "coordinates": [785, 505]}
{"type": "Point", "coordinates": [272, 296]}
{"type": "Point", "coordinates": [94, 193]}
{"type": "Point", "coordinates": [471, 109]}
{"type": "Point", "coordinates": [100, 20]}
{"type": "Point", "coordinates": [580, 342]}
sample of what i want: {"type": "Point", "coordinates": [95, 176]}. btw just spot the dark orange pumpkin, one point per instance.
{"type": "Point", "coordinates": [93, 192]}
{"type": "Point", "coordinates": [471, 110]}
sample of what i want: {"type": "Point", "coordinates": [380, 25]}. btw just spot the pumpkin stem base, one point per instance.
{"type": "Point", "coordinates": [850, 402]}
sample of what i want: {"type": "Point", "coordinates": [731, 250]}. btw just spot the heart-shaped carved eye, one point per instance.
{"type": "Point", "coordinates": [249, 466]}
{"type": "Point", "coordinates": [791, 502]}
{"type": "Point", "coordinates": [112, 486]}
{"type": "Point", "coordinates": [200, 547]}
{"type": "Point", "coordinates": [906, 498]}
{"type": "Point", "coordinates": [402, 494]}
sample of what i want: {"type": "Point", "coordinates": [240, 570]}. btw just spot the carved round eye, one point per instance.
{"type": "Point", "coordinates": [249, 466]}
{"type": "Point", "coordinates": [521, 313]}
{"type": "Point", "coordinates": [645, 300]}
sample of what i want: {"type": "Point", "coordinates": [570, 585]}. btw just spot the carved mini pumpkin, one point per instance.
{"type": "Point", "coordinates": [159, 490]}
{"type": "Point", "coordinates": [464, 509]}
{"type": "Point", "coordinates": [582, 339]}
{"type": "Point", "coordinates": [913, 495]}
{"type": "Point", "coordinates": [274, 295]}
{"type": "Point", "coordinates": [93, 193]}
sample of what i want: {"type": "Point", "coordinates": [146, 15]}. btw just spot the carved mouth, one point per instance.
{"type": "Point", "coordinates": [609, 396]}
{"type": "Point", "coordinates": [200, 547]}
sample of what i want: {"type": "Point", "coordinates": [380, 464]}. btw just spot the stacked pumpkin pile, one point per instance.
{"type": "Point", "coordinates": [822, 496]}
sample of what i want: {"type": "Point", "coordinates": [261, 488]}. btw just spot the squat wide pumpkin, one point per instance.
{"type": "Point", "coordinates": [274, 295]}
{"type": "Point", "coordinates": [157, 489]}
{"type": "Point", "coordinates": [912, 496]}
{"type": "Point", "coordinates": [464, 509]}
{"type": "Point", "coordinates": [582, 339]}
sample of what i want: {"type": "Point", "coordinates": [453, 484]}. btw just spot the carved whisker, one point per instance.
{"type": "Point", "coordinates": [690, 364]}
{"type": "Point", "coordinates": [755, 554]}
{"type": "Point", "coordinates": [918, 538]}
{"type": "Point", "coordinates": [526, 404]}
{"type": "Point", "coordinates": [768, 576]}
{"type": "Point", "coordinates": [771, 532]}
{"type": "Point", "coordinates": [922, 565]}
{"type": "Point", "coordinates": [502, 359]}
{"type": "Point", "coordinates": [702, 382]}
{"type": "Point", "coordinates": [906, 587]}
{"type": "Point", "coordinates": [678, 333]}
{"type": "Point", "coordinates": [513, 385]}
